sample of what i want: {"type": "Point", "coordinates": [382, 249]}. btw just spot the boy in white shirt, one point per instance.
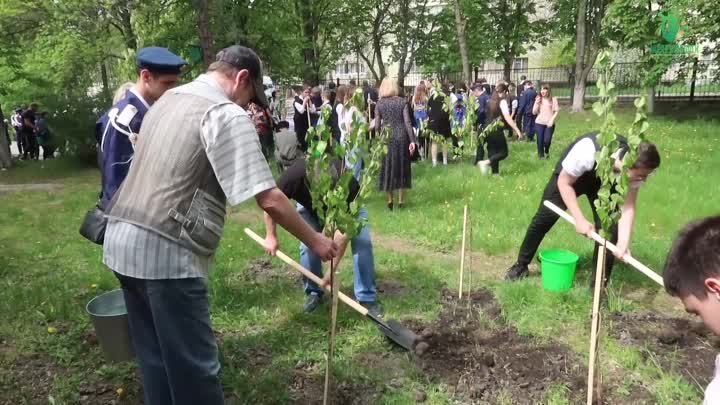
{"type": "Point", "coordinates": [692, 273]}
{"type": "Point", "coordinates": [575, 175]}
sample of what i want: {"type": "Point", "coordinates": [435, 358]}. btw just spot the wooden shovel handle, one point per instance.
{"type": "Point", "coordinates": [307, 273]}
{"type": "Point", "coordinates": [599, 239]}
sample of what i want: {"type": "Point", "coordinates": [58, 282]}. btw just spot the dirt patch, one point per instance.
{"type": "Point", "coordinates": [31, 380]}
{"type": "Point", "coordinates": [14, 188]}
{"type": "Point", "coordinates": [308, 383]}
{"type": "Point", "coordinates": [261, 271]}
{"type": "Point", "coordinates": [679, 344]}
{"type": "Point", "coordinates": [483, 360]}
{"type": "Point", "coordinates": [391, 288]}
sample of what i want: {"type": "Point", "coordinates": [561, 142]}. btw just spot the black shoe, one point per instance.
{"type": "Point", "coordinates": [400, 206]}
{"type": "Point", "coordinates": [312, 301]}
{"type": "Point", "coordinates": [390, 206]}
{"type": "Point", "coordinates": [373, 308]}
{"type": "Point", "coordinates": [516, 272]}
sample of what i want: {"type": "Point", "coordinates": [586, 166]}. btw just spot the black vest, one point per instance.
{"type": "Point", "coordinates": [588, 180]}
{"type": "Point", "coordinates": [300, 119]}
{"type": "Point", "coordinates": [438, 119]}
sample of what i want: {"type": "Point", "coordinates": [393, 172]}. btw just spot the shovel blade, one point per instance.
{"type": "Point", "coordinates": [397, 333]}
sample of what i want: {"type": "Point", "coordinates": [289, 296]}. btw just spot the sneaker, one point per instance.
{"type": "Point", "coordinates": [516, 272]}
{"type": "Point", "coordinates": [312, 301]}
{"type": "Point", "coordinates": [373, 308]}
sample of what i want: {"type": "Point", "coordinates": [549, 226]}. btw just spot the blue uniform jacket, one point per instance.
{"type": "Point", "coordinates": [114, 132]}
{"type": "Point", "coordinates": [525, 103]}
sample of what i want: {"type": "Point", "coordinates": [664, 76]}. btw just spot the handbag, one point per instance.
{"type": "Point", "coordinates": [93, 225]}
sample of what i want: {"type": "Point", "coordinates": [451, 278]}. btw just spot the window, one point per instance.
{"type": "Point", "coordinates": [347, 68]}
{"type": "Point", "coordinates": [520, 64]}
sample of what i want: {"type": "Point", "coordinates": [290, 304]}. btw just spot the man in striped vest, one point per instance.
{"type": "Point", "coordinates": [197, 150]}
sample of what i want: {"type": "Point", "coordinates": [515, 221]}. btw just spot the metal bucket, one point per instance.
{"type": "Point", "coordinates": [109, 316]}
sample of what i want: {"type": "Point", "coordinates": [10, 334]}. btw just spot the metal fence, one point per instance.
{"type": "Point", "coordinates": [679, 81]}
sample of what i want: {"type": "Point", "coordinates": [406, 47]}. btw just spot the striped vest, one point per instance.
{"type": "Point", "coordinates": [171, 188]}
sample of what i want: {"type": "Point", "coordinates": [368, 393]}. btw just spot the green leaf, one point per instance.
{"type": "Point", "coordinates": [640, 102]}
{"type": "Point", "coordinates": [599, 108]}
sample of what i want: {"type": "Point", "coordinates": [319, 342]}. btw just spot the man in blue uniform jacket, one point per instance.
{"type": "Point", "coordinates": [525, 105]}
{"type": "Point", "coordinates": [116, 131]}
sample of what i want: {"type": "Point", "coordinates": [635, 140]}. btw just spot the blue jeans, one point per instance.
{"type": "Point", "coordinates": [363, 261]}
{"type": "Point", "coordinates": [173, 341]}
{"type": "Point", "coordinates": [544, 138]}
{"type": "Point", "coordinates": [529, 126]}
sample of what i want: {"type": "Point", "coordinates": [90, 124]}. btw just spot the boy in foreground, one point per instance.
{"type": "Point", "coordinates": [692, 273]}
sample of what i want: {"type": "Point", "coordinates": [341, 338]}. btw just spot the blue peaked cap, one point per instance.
{"type": "Point", "coordinates": [158, 59]}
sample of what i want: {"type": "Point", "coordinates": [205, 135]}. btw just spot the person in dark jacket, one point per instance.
{"type": "Point", "coordinates": [483, 93]}
{"type": "Point", "coordinates": [525, 106]}
{"type": "Point", "coordinates": [438, 122]}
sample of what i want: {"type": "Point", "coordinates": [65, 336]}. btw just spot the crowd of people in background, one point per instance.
{"type": "Point", "coordinates": [32, 133]}
{"type": "Point", "coordinates": [419, 123]}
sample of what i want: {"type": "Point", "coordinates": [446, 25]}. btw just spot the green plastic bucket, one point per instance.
{"type": "Point", "coordinates": [557, 267]}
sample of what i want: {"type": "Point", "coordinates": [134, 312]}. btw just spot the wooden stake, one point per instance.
{"type": "Point", "coordinates": [462, 253]}
{"type": "Point", "coordinates": [599, 274]}
{"type": "Point", "coordinates": [334, 281]}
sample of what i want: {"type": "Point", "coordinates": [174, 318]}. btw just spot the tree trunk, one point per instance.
{"type": "Point", "coordinates": [106, 92]}
{"type": "Point", "coordinates": [128, 32]}
{"type": "Point", "coordinates": [693, 80]}
{"type": "Point", "coordinates": [203, 25]}
{"type": "Point", "coordinates": [580, 49]}
{"type": "Point", "coordinates": [507, 69]}
{"type": "Point", "coordinates": [460, 25]}
{"type": "Point", "coordinates": [377, 48]}
{"type": "Point", "coordinates": [651, 100]}
{"type": "Point", "coordinates": [5, 154]}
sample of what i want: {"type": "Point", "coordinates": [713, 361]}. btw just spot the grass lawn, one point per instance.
{"type": "Point", "coordinates": [272, 353]}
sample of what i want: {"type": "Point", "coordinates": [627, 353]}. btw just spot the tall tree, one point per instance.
{"type": "Point", "coordinates": [517, 29]}
{"type": "Point", "coordinates": [320, 25]}
{"type": "Point", "coordinates": [441, 48]}
{"type": "Point", "coordinates": [367, 32]}
{"type": "Point", "coordinates": [202, 11]}
{"type": "Point", "coordinates": [588, 41]}
{"type": "Point", "coordinates": [460, 26]}
{"type": "Point", "coordinates": [635, 25]}
{"type": "Point", "coordinates": [414, 26]}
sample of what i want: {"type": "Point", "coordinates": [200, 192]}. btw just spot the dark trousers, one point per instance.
{"type": "Point", "coordinates": [301, 133]}
{"type": "Point", "coordinates": [497, 149]}
{"type": "Point", "coordinates": [19, 140]}
{"type": "Point", "coordinates": [48, 151]}
{"type": "Point", "coordinates": [529, 126]}
{"type": "Point", "coordinates": [544, 138]}
{"type": "Point", "coordinates": [544, 220]}
{"type": "Point", "coordinates": [30, 146]}
{"type": "Point", "coordinates": [172, 338]}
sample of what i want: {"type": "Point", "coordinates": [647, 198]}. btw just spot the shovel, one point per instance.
{"type": "Point", "coordinates": [609, 246]}
{"type": "Point", "coordinates": [392, 329]}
